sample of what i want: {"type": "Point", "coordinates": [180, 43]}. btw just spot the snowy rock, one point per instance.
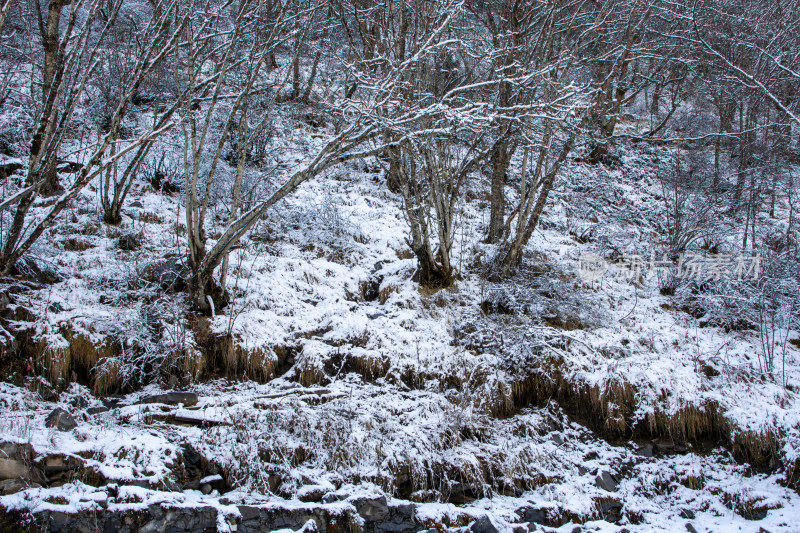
{"type": "Point", "coordinates": [12, 486]}
{"type": "Point", "coordinates": [60, 419]}
{"type": "Point", "coordinates": [483, 525]}
{"type": "Point", "coordinates": [645, 451]}
{"type": "Point", "coordinates": [372, 509]}
{"type": "Point", "coordinates": [97, 410]}
{"type": "Point", "coordinates": [172, 398]}
{"type": "Point", "coordinates": [137, 204]}
{"type": "Point", "coordinates": [606, 481]}
{"type": "Point", "coordinates": [79, 402]}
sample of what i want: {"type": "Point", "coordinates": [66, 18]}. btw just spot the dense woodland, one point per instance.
{"type": "Point", "coordinates": [272, 192]}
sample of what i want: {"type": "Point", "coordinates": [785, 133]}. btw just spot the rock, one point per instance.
{"type": "Point", "coordinates": [687, 513]}
{"type": "Point", "coordinates": [128, 242]}
{"type": "Point", "coordinates": [97, 410]}
{"type": "Point", "coordinates": [645, 451]}
{"type": "Point", "coordinates": [690, 528]}
{"type": "Point", "coordinates": [606, 481]}
{"type": "Point", "coordinates": [483, 525]}
{"type": "Point", "coordinates": [137, 204]}
{"type": "Point", "coordinates": [248, 512]}
{"type": "Point", "coordinates": [533, 516]}
{"type": "Point", "coordinates": [79, 402]}
{"type": "Point", "coordinates": [172, 398]}
{"type": "Point", "coordinates": [372, 509]}
{"type": "Point", "coordinates": [12, 486]}
{"type": "Point", "coordinates": [61, 420]}
{"type": "Point", "coordinates": [12, 468]}
{"type": "Point", "coordinates": [206, 489]}
{"type": "Point", "coordinates": [111, 402]}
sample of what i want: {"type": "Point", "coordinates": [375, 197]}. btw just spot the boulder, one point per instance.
{"type": "Point", "coordinates": [61, 420]}
{"type": "Point", "coordinates": [12, 469]}
{"type": "Point", "coordinates": [483, 525]}
{"type": "Point", "coordinates": [172, 398]}
{"type": "Point", "coordinates": [606, 481]}
{"type": "Point", "coordinates": [372, 509]}
{"type": "Point", "coordinates": [12, 486]}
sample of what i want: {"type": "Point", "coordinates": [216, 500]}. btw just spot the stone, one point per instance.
{"type": "Point", "coordinates": [12, 468]}
{"type": "Point", "coordinates": [137, 204]}
{"type": "Point", "coordinates": [13, 450]}
{"type": "Point", "coordinates": [79, 402]}
{"type": "Point", "coordinates": [483, 525]}
{"type": "Point", "coordinates": [606, 481]}
{"type": "Point", "coordinates": [97, 410]}
{"type": "Point", "coordinates": [61, 420]}
{"type": "Point", "coordinates": [172, 398]}
{"type": "Point", "coordinates": [645, 451]}
{"type": "Point", "coordinates": [372, 509]}
{"type": "Point", "coordinates": [12, 486]}
{"type": "Point", "coordinates": [249, 512]}
{"type": "Point", "coordinates": [533, 516]}
{"type": "Point", "coordinates": [206, 489]}
{"type": "Point", "coordinates": [687, 513]}
{"type": "Point", "coordinates": [690, 528]}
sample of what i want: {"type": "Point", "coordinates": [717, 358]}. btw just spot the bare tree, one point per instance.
{"type": "Point", "coordinates": [69, 75]}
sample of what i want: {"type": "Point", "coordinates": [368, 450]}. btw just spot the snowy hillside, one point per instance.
{"type": "Point", "coordinates": [322, 266]}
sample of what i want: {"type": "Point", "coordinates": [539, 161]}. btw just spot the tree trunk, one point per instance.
{"type": "Point", "coordinates": [500, 160]}
{"type": "Point", "coordinates": [513, 255]}
{"type": "Point", "coordinates": [53, 61]}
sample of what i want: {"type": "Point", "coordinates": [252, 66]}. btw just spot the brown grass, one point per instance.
{"type": "Point", "coordinates": [610, 410]}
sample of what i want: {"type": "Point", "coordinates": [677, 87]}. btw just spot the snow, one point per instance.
{"type": "Point", "coordinates": [296, 283]}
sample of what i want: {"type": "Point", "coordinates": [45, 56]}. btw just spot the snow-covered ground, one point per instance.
{"type": "Point", "coordinates": [417, 395]}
